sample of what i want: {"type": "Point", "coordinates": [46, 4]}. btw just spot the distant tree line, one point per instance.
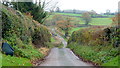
{"type": "Point", "coordinates": [69, 11]}
{"type": "Point", "coordinates": [93, 13]}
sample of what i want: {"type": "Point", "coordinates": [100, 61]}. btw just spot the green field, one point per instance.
{"type": "Point", "coordinates": [109, 15]}
{"type": "Point", "coordinates": [69, 14]}
{"type": "Point", "coordinates": [97, 21]}
{"type": "Point", "coordinates": [101, 21]}
{"type": "Point", "coordinates": [73, 14]}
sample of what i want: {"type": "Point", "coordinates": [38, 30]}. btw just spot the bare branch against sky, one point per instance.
{"type": "Point", "coordinates": [97, 5]}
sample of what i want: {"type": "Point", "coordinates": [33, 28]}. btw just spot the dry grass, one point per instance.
{"type": "Point", "coordinates": [44, 50]}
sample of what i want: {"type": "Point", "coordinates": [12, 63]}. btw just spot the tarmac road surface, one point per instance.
{"type": "Point", "coordinates": [62, 57]}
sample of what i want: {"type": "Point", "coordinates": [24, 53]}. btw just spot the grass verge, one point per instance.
{"type": "Point", "coordinates": [100, 55]}
{"type": "Point", "coordinates": [0, 60]}
{"type": "Point", "coordinates": [113, 62]}
{"type": "Point", "coordinates": [15, 61]}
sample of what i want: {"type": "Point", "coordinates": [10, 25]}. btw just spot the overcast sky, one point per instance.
{"type": "Point", "coordinates": [97, 5]}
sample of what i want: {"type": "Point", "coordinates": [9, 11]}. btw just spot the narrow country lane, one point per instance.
{"type": "Point", "coordinates": [62, 57]}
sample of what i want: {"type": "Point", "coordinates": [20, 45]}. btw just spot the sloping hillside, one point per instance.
{"type": "Point", "coordinates": [22, 32]}
{"type": "Point", "coordinates": [97, 44]}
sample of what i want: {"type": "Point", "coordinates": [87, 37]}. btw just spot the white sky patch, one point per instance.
{"type": "Point", "coordinates": [97, 5]}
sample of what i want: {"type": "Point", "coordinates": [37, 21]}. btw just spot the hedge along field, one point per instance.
{"type": "Point", "coordinates": [73, 14]}
{"type": "Point", "coordinates": [94, 22]}
{"type": "Point", "coordinates": [69, 14]}
{"type": "Point", "coordinates": [97, 21]}
{"type": "Point", "coordinates": [75, 29]}
{"type": "Point", "coordinates": [92, 44]}
{"type": "Point", "coordinates": [22, 32]}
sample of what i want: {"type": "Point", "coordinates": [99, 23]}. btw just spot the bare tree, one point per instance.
{"type": "Point", "coordinates": [57, 9]}
{"type": "Point", "coordinates": [86, 17]}
{"type": "Point", "coordinates": [93, 13]}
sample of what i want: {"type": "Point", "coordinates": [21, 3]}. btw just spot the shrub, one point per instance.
{"type": "Point", "coordinates": [96, 44]}
{"type": "Point", "coordinates": [97, 36]}
{"type": "Point", "coordinates": [20, 31]}
{"type": "Point", "coordinates": [41, 36]}
{"type": "Point", "coordinates": [25, 29]}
